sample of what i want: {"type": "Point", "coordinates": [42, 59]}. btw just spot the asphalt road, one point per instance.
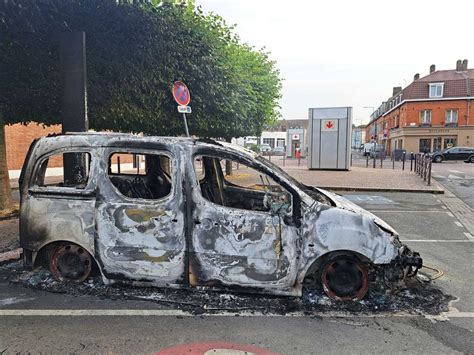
{"type": "Point", "coordinates": [457, 177]}
{"type": "Point", "coordinates": [33, 320]}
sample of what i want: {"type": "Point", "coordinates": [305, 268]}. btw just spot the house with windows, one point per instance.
{"type": "Point", "coordinates": [432, 113]}
{"type": "Point", "coordinates": [287, 133]}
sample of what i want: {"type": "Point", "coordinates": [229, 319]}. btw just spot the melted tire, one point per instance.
{"type": "Point", "coordinates": [344, 278]}
{"type": "Point", "coordinates": [70, 262]}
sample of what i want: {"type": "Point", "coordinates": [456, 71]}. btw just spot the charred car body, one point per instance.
{"type": "Point", "coordinates": [161, 211]}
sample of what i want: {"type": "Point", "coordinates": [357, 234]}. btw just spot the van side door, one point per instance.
{"type": "Point", "coordinates": [140, 215]}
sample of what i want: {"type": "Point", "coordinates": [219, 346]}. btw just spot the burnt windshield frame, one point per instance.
{"type": "Point", "coordinates": [275, 167]}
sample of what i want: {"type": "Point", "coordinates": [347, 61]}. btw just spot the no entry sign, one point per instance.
{"type": "Point", "coordinates": [181, 93]}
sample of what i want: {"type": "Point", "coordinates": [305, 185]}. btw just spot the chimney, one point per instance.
{"type": "Point", "coordinates": [459, 65]}
{"type": "Point", "coordinates": [464, 65]}
{"type": "Point", "coordinates": [432, 68]}
{"type": "Point", "coordinates": [416, 77]}
{"type": "Point", "coordinates": [396, 90]}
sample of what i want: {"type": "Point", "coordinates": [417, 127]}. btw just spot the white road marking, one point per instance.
{"type": "Point", "coordinates": [454, 177]}
{"type": "Point", "coordinates": [458, 224]}
{"type": "Point", "coordinates": [449, 214]}
{"type": "Point", "coordinates": [444, 207]}
{"type": "Point", "coordinates": [405, 211]}
{"type": "Point", "coordinates": [471, 238]}
{"type": "Point", "coordinates": [456, 171]}
{"type": "Point", "coordinates": [174, 313]}
{"type": "Point", "coordinates": [438, 240]}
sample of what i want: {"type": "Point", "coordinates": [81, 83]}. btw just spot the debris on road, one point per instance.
{"type": "Point", "coordinates": [416, 297]}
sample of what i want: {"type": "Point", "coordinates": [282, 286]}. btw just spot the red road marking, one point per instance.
{"type": "Point", "coordinates": [202, 348]}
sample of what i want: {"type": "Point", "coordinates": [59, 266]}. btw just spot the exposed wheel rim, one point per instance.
{"type": "Point", "coordinates": [70, 262]}
{"type": "Point", "coordinates": [472, 159]}
{"type": "Point", "coordinates": [345, 278]}
{"type": "Point", "coordinates": [438, 159]}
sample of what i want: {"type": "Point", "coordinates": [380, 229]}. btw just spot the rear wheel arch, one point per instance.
{"type": "Point", "coordinates": [45, 252]}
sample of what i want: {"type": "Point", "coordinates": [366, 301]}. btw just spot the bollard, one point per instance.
{"type": "Point", "coordinates": [393, 160]}
{"type": "Point", "coordinates": [118, 165]}
{"type": "Point", "coordinates": [375, 158]}
{"type": "Point", "coordinates": [403, 160]}
{"type": "Point", "coordinates": [411, 161]}
{"type": "Point", "coordinates": [367, 161]}
{"type": "Point", "coordinates": [351, 159]}
{"type": "Point", "coordinates": [381, 160]}
{"type": "Point", "coordinates": [429, 172]}
{"type": "Point", "coordinates": [284, 158]}
{"type": "Point", "coordinates": [424, 168]}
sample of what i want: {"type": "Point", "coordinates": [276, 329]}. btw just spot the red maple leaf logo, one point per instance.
{"type": "Point", "coordinates": [329, 124]}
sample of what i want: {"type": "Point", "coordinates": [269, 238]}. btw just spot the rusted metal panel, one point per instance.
{"type": "Point", "coordinates": [185, 239]}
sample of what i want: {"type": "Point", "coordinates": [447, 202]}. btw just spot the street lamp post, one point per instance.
{"type": "Point", "coordinates": [375, 132]}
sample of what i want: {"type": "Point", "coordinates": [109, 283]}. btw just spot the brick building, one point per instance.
{"type": "Point", "coordinates": [18, 138]}
{"type": "Point", "coordinates": [432, 113]}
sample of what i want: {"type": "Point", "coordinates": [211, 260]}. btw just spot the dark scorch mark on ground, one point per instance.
{"type": "Point", "coordinates": [417, 297]}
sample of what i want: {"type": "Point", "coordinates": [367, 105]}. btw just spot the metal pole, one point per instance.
{"type": "Point", "coordinates": [429, 172]}
{"type": "Point", "coordinates": [403, 161]}
{"type": "Point", "coordinates": [186, 125]}
{"type": "Point", "coordinates": [393, 160]}
{"type": "Point", "coordinates": [366, 161]}
{"type": "Point", "coordinates": [381, 160]}
{"type": "Point", "coordinates": [375, 158]}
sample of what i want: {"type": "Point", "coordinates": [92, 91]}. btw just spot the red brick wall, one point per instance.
{"type": "Point", "coordinates": [410, 113]}
{"type": "Point", "coordinates": [18, 138]}
{"type": "Point", "coordinates": [438, 112]}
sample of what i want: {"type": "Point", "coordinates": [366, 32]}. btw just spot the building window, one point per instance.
{"type": "Point", "coordinates": [425, 117]}
{"type": "Point", "coordinates": [436, 90]}
{"type": "Point", "coordinates": [449, 143]}
{"type": "Point", "coordinates": [451, 116]}
{"type": "Point", "coordinates": [437, 144]}
{"type": "Point", "coordinates": [280, 142]}
{"type": "Point", "coordinates": [425, 145]}
{"type": "Point", "coordinates": [269, 141]}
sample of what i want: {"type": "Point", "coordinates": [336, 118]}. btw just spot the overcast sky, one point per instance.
{"type": "Point", "coordinates": [351, 53]}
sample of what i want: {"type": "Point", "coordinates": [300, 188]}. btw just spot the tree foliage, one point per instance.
{"type": "Point", "coordinates": [135, 51]}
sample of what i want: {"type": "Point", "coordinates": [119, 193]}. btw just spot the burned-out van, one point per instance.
{"type": "Point", "coordinates": [162, 211]}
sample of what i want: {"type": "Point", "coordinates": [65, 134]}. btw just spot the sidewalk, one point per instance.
{"type": "Point", "coordinates": [360, 177]}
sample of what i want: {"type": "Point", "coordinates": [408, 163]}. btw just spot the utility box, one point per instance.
{"type": "Point", "coordinates": [329, 138]}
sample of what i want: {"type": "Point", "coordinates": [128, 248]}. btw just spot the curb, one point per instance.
{"type": "Point", "coordinates": [11, 255]}
{"type": "Point", "coordinates": [381, 189]}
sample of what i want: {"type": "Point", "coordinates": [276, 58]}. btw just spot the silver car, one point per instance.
{"type": "Point", "coordinates": [161, 211]}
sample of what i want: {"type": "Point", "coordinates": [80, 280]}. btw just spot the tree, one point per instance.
{"type": "Point", "coordinates": [135, 51]}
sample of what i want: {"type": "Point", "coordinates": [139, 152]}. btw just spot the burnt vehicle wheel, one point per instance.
{"type": "Point", "coordinates": [70, 262]}
{"type": "Point", "coordinates": [344, 278]}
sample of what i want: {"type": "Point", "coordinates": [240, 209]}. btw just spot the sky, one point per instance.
{"type": "Point", "coordinates": [351, 53]}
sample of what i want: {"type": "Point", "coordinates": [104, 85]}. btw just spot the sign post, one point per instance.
{"type": "Point", "coordinates": [182, 97]}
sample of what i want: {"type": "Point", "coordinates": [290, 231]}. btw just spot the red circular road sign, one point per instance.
{"type": "Point", "coordinates": [181, 93]}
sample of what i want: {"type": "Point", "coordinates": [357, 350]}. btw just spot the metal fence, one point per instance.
{"type": "Point", "coordinates": [423, 167]}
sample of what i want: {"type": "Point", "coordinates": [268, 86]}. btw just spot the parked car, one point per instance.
{"type": "Point", "coordinates": [279, 151]}
{"type": "Point", "coordinates": [454, 153]}
{"type": "Point", "coordinates": [377, 151]}
{"type": "Point", "coordinates": [160, 211]}
{"type": "Point", "coordinates": [265, 148]}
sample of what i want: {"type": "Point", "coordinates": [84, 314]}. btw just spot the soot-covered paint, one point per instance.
{"type": "Point", "coordinates": [184, 239]}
